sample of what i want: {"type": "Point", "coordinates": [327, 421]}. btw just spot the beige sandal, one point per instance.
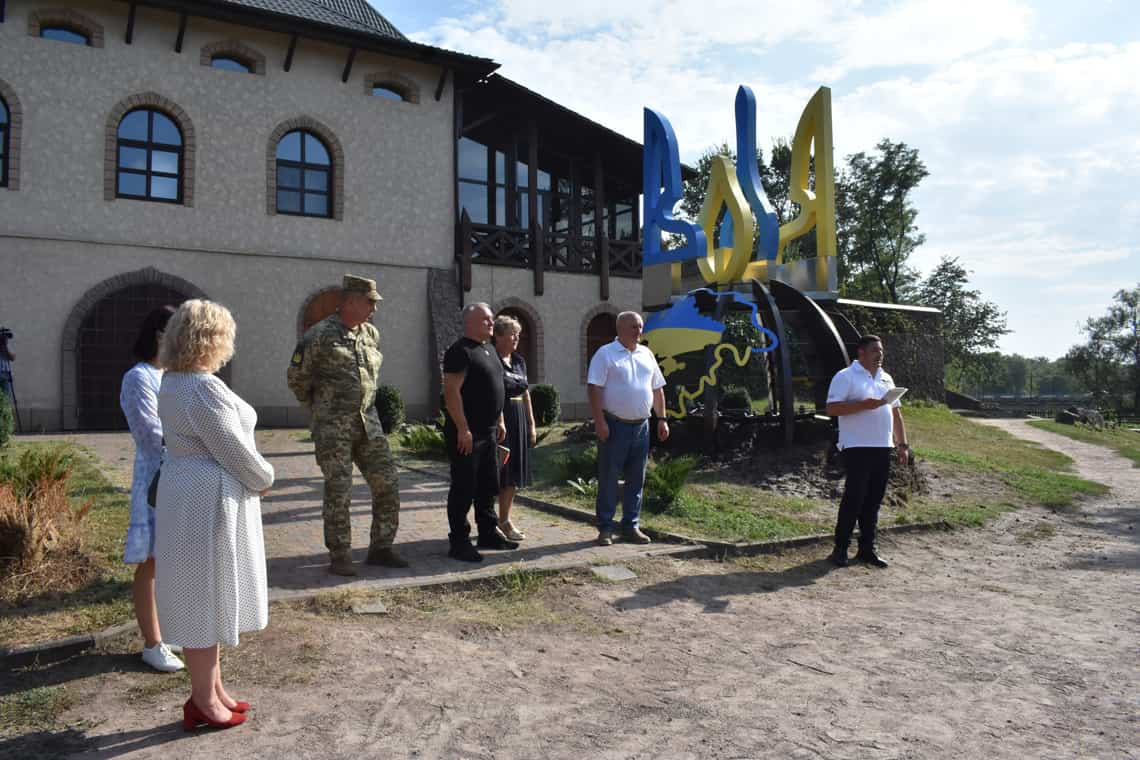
{"type": "Point", "coordinates": [511, 532]}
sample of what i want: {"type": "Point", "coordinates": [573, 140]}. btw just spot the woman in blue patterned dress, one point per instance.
{"type": "Point", "coordinates": [139, 401]}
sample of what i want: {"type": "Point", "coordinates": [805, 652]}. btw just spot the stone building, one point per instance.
{"type": "Point", "coordinates": [253, 151]}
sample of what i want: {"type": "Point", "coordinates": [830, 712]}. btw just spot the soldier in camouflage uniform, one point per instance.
{"type": "Point", "coordinates": [334, 372]}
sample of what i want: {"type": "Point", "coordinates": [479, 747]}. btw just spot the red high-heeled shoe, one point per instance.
{"type": "Point", "coordinates": [192, 718]}
{"type": "Point", "coordinates": [241, 707]}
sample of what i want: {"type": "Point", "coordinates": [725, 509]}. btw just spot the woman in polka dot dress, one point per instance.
{"type": "Point", "coordinates": [210, 582]}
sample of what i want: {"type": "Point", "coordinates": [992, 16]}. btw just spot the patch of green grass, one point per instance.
{"type": "Point", "coordinates": [958, 512]}
{"type": "Point", "coordinates": [34, 708]}
{"type": "Point", "coordinates": [520, 582]}
{"type": "Point", "coordinates": [694, 515]}
{"type": "Point", "coordinates": [103, 601]}
{"type": "Point", "coordinates": [1035, 475]}
{"type": "Point", "coordinates": [1122, 441]}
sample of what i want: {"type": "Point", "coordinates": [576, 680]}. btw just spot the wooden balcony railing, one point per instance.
{"type": "Point", "coordinates": [561, 252]}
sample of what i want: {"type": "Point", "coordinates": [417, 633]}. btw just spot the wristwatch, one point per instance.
{"type": "Point", "coordinates": [903, 445]}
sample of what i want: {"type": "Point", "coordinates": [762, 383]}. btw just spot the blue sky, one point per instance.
{"type": "Point", "coordinates": [1026, 114]}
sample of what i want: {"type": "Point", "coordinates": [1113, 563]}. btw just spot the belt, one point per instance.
{"type": "Point", "coordinates": [515, 398]}
{"type": "Point", "coordinates": [623, 419]}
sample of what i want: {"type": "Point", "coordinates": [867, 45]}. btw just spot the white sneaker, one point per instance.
{"type": "Point", "coordinates": [161, 658]}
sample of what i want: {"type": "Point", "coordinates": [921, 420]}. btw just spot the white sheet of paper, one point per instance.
{"type": "Point", "coordinates": [894, 394]}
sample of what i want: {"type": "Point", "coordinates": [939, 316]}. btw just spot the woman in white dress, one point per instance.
{"type": "Point", "coordinates": [210, 577]}
{"type": "Point", "coordinates": [138, 397]}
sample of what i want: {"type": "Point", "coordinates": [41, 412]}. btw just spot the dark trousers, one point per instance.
{"type": "Point", "coordinates": [474, 479]}
{"type": "Point", "coordinates": [867, 473]}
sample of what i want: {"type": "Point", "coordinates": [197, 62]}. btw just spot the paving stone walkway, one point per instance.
{"type": "Point", "coordinates": [294, 547]}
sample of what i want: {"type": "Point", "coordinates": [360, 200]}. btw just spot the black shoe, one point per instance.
{"type": "Point", "coordinates": [871, 558]}
{"type": "Point", "coordinates": [464, 552]}
{"type": "Point", "coordinates": [838, 557]}
{"type": "Point", "coordinates": [496, 540]}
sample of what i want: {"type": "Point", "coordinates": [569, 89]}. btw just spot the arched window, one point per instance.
{"type": "Point", "coordinates": [304, 175]}
{"type": "Point", "coordinates": [391, 85]}
{"type": "Point", "coordinates": [385, 90]}
{"type": "Point", "coordinates": [65, 34]}
{"type": "Point", "coordinates": [4, 119]}
{"type": "Point", "coordinates": [149, 157]}
{"type": "Point", "coordinates": [230, 64]}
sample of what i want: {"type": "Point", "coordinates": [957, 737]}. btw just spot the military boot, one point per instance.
{"type": "Point", "coordinates": [341, 564]}
{"type": "Point", "coordinates": [385, 556]}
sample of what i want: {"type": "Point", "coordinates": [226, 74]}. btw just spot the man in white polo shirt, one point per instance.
{"type": "Point", "coordinates": [624, 384]}
{"type": "Point", "coordinates": [868, 428]}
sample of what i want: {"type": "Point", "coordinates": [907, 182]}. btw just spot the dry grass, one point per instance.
{"type": "Point", "coordinates": [41, 539]}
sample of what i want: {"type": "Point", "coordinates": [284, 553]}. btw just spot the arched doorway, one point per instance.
{"type": "Point", "coordinates": [601, 330]}
{"type": "Point", "coordinates": [319, 306]}
{"type": "Point", "coordinates": [103, 350]}
{"type": "Point", "coordinates": [527, 344]}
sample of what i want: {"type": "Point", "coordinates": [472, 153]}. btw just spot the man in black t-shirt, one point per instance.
{"type": "Point", "coordinates": [473, 395]}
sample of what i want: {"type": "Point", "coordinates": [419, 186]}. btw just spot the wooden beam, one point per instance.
{"type": "Point", "coordinates": [181, 32]}
{"type": "Point", "coordinates": [348, 64]}
{"type": "Point", "coordinates": [478, 123]}
{"type": "Point", "coordinates": [439, 85]}
{"type": "Point", "coordinates": [456, 121]}
{"type": "Point", "coordinates": [536, 236]}
{"type": "Point", "coordinates": [289, 54]}
{"type": "Point", "coordinates": [601, 233]}
{"type": "Point", "coordinates": [130, 25]}
{"type": "Point", "coordinates": [512, 178]}
{"type": "Point", "coordinates": [465, 251]}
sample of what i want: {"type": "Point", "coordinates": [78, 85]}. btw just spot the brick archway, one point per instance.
{"type": "Point", "coordinates": [316, 307]}
{"type": "Point", "coordinates": [70, 357]}
{"type": "Point", "coordinates": [584, 333]}
{"type": "Point", "coordinates": [532, 324]}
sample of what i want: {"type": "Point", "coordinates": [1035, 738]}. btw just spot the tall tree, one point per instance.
{"type": "Point", "coordinates": [969, 323]}
{"type": "Point", "coordinates": [1094, 363]}
{"type": "Point", "coordinates": [1109, 362]}
{"type": "Point", "coordinates": [774, 176]}
{"type": "Point", "coordinates": [1124, 324]}
{"type": "Point", "coordinates": [875, 222]}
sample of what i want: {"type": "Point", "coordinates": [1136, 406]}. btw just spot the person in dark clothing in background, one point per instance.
{"type": "Point", "coordinates": [473, 395]}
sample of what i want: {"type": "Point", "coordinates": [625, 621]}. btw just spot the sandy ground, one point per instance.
{"type": "Point", "coordinates": [1016, 640]}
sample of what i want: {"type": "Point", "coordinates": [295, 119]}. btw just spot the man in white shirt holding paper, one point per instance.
{"type": "Point", "coordinates": [870, 423]}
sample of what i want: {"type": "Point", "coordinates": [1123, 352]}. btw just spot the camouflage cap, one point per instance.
{"type": "Point", "coordinates": [362, 285]}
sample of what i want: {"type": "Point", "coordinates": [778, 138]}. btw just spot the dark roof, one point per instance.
{"type": "Point", "coordinates": [561, 128]}
{"type": "Point", "coordinates": [357, 15]}
{"type": "Point", "coordinates": [351, 23]}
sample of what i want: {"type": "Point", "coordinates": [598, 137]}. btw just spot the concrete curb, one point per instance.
{"type": "Point", "coordinates": [61, 649]}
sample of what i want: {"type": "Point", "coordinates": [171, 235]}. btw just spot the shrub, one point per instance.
{"type": "Point", "coordinates": [390, 407]}
{"type": "Point", "coordinates": [664, 481]}
{"type": "Point", "coordinates": [425, 441]}
{"type": "Point", "coordinates": [7, 419]}
{"type": "Point", "coordinates": [33, 468]}
{"type": "Point", "coordinates": [588, 488]}
{"type": "Point", "coordinates": [577, 465]}
{"type": "Point", "coordinates": [735, 397]}
{"type": "Point", "coordinates": [544, 399]}
{"type": "Point", "coordinates": [41, 536]}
